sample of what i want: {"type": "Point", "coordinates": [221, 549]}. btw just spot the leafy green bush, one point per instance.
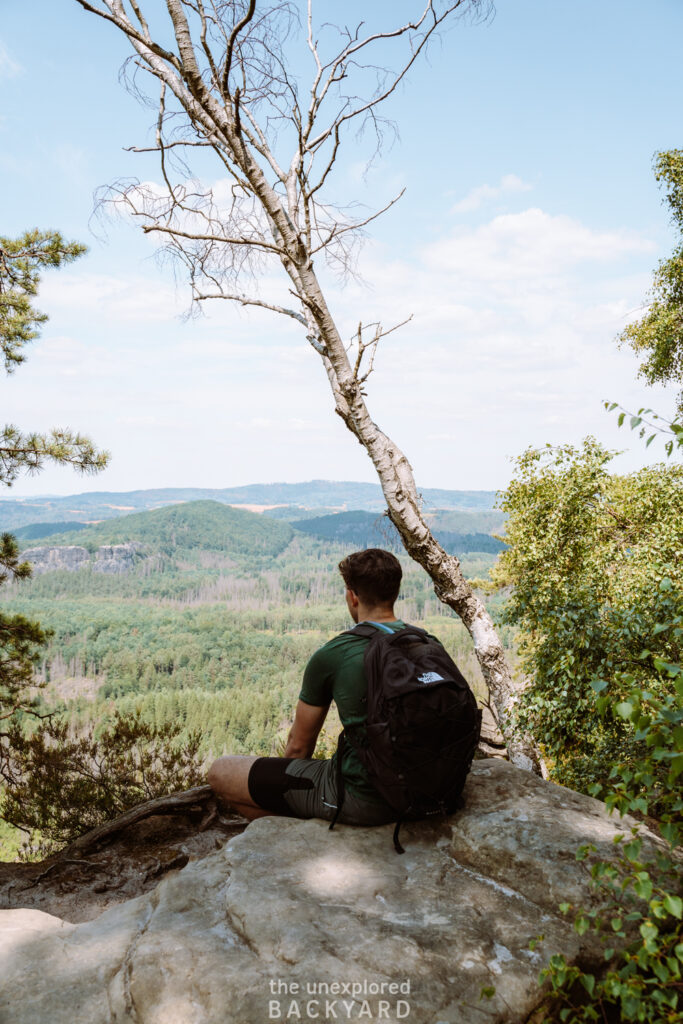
{"type": "Point", "coordinates": [640, 917]}
{"type": "Point", "coordinates": [587, 553]}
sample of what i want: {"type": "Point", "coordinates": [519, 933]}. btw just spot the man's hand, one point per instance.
{"type": "Point", "coordinates": [308, 721]}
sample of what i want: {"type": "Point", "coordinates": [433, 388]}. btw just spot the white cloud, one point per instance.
{"type": "Point", "coordinates": [509, 184]}
{"type": "Point", "coordinates": [502, 285]}
{"type": "Point", "coordinates": [9, 67]}
{"type": "Point", "coordinates": [512, 343]}
{"type": "Point", "coordinates": [112, 299]}
{"type": "Point", "coordinates": [531, 246]}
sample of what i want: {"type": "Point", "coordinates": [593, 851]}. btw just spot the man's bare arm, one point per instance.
{"type": "Point", "coordinates": [308, 721]}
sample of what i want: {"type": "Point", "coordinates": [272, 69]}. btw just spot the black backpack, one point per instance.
{"type": "Point", "coordinates": [422, 727]}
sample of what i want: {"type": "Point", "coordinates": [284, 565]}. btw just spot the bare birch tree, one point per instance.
{"type": "Point", "coordinates": [228, 73]}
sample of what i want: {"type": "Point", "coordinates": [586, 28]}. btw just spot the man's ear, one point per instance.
{"type": "Point", "coordinates": [352, 597]}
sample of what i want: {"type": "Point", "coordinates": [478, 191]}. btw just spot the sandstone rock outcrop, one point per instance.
{"type": "Point", "coordinates": [47, 559]}
{"type": "Point", "coordinates": [110, 558]}
{"type": "Point", "coordinates": [289, 915]}
{"type": "Point", "coordinates": [115, 558]}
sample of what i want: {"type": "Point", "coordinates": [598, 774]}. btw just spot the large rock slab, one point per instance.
{"type": "Point", "coordinates": [289, 916]}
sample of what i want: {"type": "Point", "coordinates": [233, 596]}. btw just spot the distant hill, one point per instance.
{"type": "Point", "coordinates": [456, 521]}
{"type": "Point", "coordinates": [34, 531]}
{"type": "Point", "coordinates": [196, 525]}
{"type": "Point", "coordinates": [367, 529]}
{"type": "Point", "coordinates": [310, 496]}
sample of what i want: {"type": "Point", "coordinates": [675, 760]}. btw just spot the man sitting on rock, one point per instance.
{"type": "Point", "coordinates": [296, 785]}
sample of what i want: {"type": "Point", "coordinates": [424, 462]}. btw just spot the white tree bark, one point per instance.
{"type": "Point", "coordinates": [276, 213]}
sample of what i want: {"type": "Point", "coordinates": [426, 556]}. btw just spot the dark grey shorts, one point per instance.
{"type": "Point", "coordinates": [306, 788]}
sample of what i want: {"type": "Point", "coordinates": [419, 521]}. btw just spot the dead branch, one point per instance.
{"type": "Point", "coordinates": [363, 346]}
{"type": "Point", "coordinates": [58, 865]}
{"type": "Point", "coordinates": [223, 239]}
{"type": "Point", "coordinates": [244, 300]}
{"type": "Point", "coordinates": [231, 43]}
{"type": "Point", "coordinates": [337, 231]}
{"type": "Point", "coordinates": [174, 803]}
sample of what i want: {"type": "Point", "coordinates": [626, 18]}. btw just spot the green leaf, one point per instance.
{"type": "Point", "coordinates": [674, 905]}
{"type": "Point", "coordinates": [673, 966]}
{"type": "Point", "coordinates": [624, 709]}
{"type": "Point", "coordinates": [599, 685]}
{"type": "Point", "coordinates": [661, 971]}
{"type": "Point", "coordinates": [635, 422]}
{"type": "Point", "coordinates": [671, 669]}
{"type": "Point", "coordinates": [588, 982]}
{"type": "Point", "coordinates": [670, 831]}
{"type": "Point", "coordinates": [676, 768]}
{"type": "Point", "coordinates": [643, 888]}
{"type": "Point", "coordinates": [488, 992]}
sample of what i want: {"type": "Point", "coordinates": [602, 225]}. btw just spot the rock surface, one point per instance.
{"type": "Point", "coordinates": [71, 557]}
{"type": "Point", "coordinates": [288, 903]}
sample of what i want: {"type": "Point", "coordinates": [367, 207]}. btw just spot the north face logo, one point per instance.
{"type": "Point", "coordinates": [430, 677]}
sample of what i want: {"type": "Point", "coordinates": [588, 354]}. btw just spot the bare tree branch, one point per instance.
{"type": "Point", "coordinates": [245, 300]}
{"type": "Point", "coordinates": [231, 43]}
{"type": "Point", "coordinates": [222, 239]}
{"type": "Point", "coordinates": [336, 231]}
{"type": "Point", "coordinates": [167, 145]}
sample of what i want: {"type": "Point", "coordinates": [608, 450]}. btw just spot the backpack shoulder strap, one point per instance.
{"type": "Point", "coordinates": [369, 629]}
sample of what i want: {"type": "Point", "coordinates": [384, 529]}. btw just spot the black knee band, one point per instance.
{"type": "Point", "coordinates": [268, 782]}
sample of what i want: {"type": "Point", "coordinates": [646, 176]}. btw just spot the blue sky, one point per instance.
{"type": "Point", "coordinates": [525, 241]}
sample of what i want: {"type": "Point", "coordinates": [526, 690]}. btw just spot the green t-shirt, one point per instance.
{"type": "Point", "coordinates": [336, 673]}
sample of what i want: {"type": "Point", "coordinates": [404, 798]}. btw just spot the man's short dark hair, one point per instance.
{"type": "Point", "coordinates": [373, 574]}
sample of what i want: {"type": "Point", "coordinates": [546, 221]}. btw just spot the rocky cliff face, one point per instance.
{"type": "Point", "coordinates": [113, 558]}
{"type": "Point", "coordinates": [289, 921]}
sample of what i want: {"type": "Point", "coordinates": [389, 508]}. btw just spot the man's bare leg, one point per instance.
{"type": "Point", "coordinates": [229, 778]}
